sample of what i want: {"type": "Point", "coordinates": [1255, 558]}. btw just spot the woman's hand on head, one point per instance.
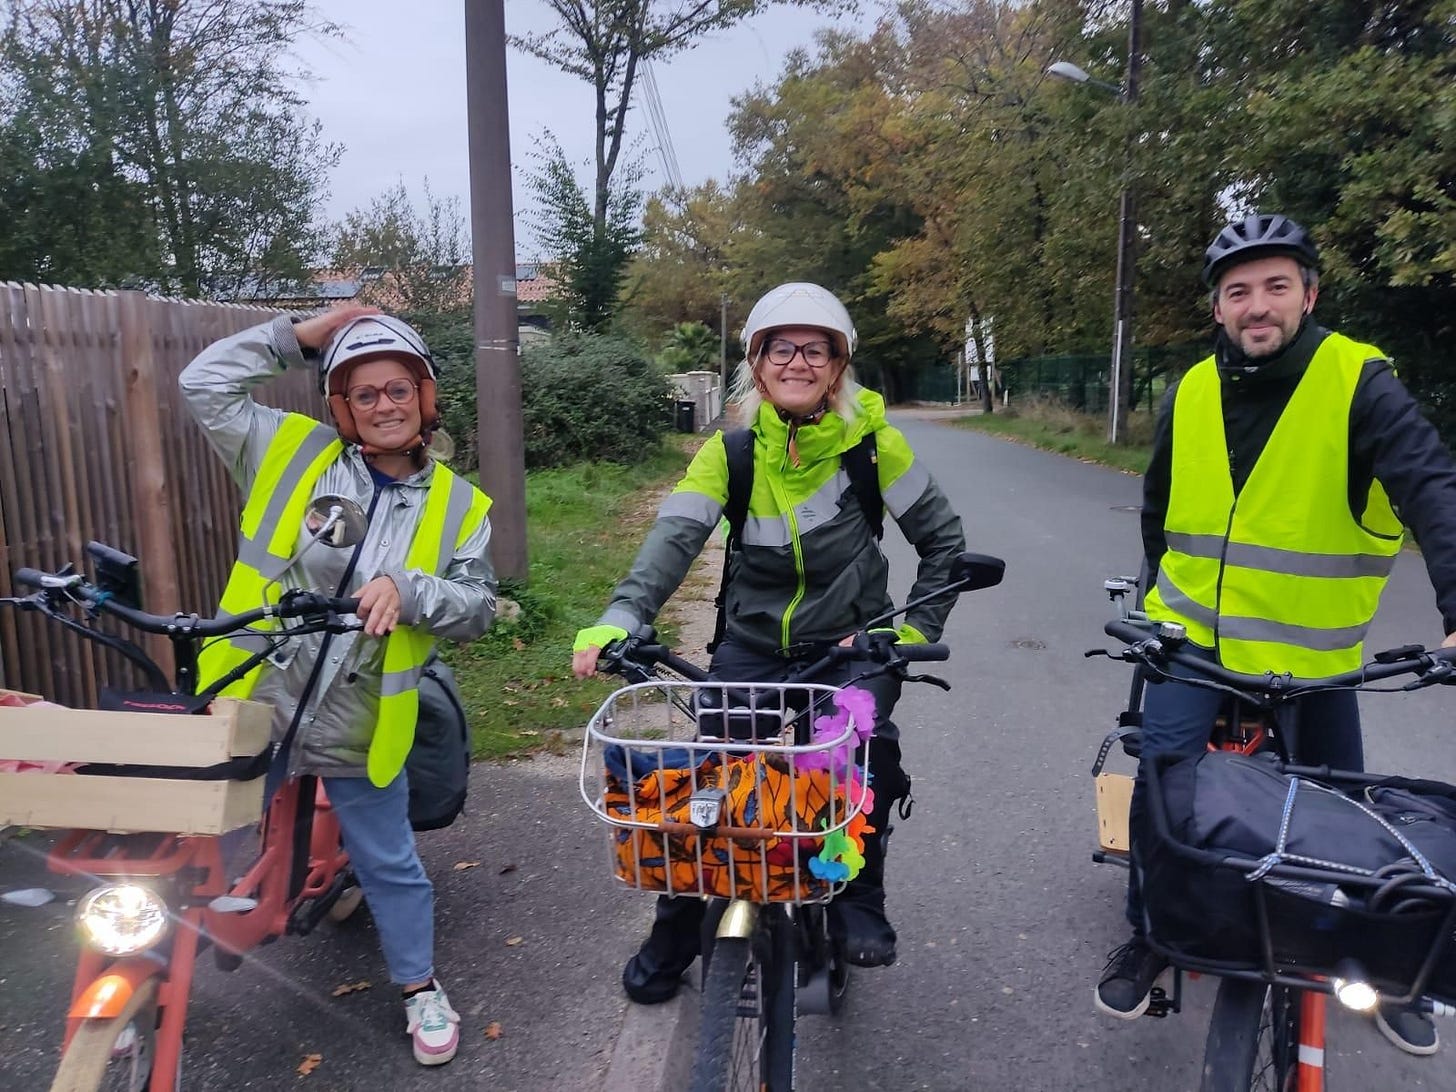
{"type": "Point", "coordinates": [379, 606]}
{"type": "Point", "coordinates": [318, 331]}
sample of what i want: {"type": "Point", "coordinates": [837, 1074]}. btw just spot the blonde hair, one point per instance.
{"type": "Point", "coordinates": [843, 400]}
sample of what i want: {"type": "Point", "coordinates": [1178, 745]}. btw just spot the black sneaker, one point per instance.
{"type": "Point", "coordinates": [1125, 986]}
{"type": "Point", "coordinates": [1411, 1031]}
{"type": "Point", "coordinates": [860, 926]}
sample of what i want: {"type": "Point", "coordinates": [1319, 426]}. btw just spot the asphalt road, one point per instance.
{"type": "Point", "coordinates": [1004, 920]}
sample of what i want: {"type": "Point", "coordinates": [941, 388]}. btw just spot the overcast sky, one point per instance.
{"type": "Point", "coordinates": [394, 95]}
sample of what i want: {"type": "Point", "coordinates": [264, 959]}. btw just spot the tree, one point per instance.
{"type": "Point", "coordinates": [605, 42]}
{"type": "Point", "coordinates": [422, 253]}
{"type": "Point", "coordinates": [679, 271]}
{"type": "Point", "coordinates": [691, 346]}
{"type": "Point", "coordinates": [182, 111]}
{"type": "Point", "coordinates": [590, 257]}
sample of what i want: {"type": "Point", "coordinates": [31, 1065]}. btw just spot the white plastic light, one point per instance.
{"type": "Point", "coordinates": [1351, 988]}
{"type": "Point", "coordinates": [122, 918]}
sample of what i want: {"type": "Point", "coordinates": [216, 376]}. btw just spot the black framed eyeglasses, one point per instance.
{"type": "Point", "coordinates": [781, 352]}
{"type": "Point", "coordinates": [399, 391]}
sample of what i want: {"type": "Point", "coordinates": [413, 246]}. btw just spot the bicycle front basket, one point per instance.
{"type": "Point", "coordinates": [749, 817]}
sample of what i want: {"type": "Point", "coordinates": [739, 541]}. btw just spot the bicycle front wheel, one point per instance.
{"type": "Point", "coordinates": [730, 1031]}
{"type": "Point", "coordinates": [1253, 1038]}
{"type": "Point", "coordinates": [114, 1055]}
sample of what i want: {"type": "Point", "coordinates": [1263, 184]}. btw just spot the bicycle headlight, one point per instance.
{"type": "Point", "coordinates": [122, 918]}
{"type": "Point", "coordinates": [1352, 988]}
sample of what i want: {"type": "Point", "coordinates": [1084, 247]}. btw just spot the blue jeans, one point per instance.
{"type": "Point", "coordinates": [381, 845]}
{"type": "Point", "coordinates": [1177, 719]}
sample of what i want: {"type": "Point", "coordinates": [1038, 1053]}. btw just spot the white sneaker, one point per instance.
{"type": "Point", "coordinates": [433, 1026]}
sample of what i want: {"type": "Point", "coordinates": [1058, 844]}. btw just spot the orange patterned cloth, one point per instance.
{"type": "Point", "coordinates": [760, 793]}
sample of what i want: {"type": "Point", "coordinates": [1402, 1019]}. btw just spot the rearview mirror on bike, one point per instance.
{"type": "Point", "coordinates": [972, 572]}
{"type": "Point", "coordinates": [335, 521]}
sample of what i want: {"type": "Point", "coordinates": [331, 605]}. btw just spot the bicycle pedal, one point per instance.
{"type": "Point", "coordinates": [1160, 1004]}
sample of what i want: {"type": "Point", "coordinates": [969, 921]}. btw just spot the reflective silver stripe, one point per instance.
{"type": "Point", "coordinates": [905, 490]}
{"type": "Point", "coordinates": [766, 531]}
{"type": "Point", "coordinates": [1286, 562]}
{"type": "Point", "coordinates": [1292, 563]}
{"type": "Point", "coordinates": [393, 683]}
{"type": "Point", "coordinates": [823, 505]}
{"type": "Point", "coordinates": [698, 507]}
{"type": "Point", "coordinates": [1175, 600]}
{"type": "Point", "coordinates": [1316, 640]}
{"type": "Point", "coordinates": [253, 552]}
{"type": "Point", "coordinates": [457, 507]}
{"type": "Point", "coordinates": [1209, 546]}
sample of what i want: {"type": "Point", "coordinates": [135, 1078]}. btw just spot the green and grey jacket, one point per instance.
{"type": "Point", "coordinates": [810, 570]}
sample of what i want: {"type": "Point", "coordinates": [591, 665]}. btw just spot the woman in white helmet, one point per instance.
{"type": "Point", "coordinates": [419, 563]}
{"type": "Point", "coordinates": [807, 571]}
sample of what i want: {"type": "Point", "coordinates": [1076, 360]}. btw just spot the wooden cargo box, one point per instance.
{"type": "Point", "coordinates": [51, 734]}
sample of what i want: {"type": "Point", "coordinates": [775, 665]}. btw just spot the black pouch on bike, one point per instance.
{"type": "Point", "coordinates": [438, 766]}
{"type": "Point", "coordinates": [241, 768]}
{"type": "Point", "coordinates": [1245, 868]}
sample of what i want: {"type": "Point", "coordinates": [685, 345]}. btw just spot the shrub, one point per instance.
{"type": "Point", "coordinates": [590, 396]}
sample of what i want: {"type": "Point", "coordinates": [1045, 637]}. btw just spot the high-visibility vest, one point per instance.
{"type": "Point", "coordinates": [298, 455]}
{"type": "Point", "coordinates": [1282, 577]}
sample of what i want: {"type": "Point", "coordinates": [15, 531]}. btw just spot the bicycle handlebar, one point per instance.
{"type": "Point", "coordinates": [1155, 650]}
{"type": "Point", "coordinates": [293, 604]}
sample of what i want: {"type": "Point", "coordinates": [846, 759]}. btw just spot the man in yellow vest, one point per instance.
{"type": "Point", "coordinates": [1285, 468]}
{"type": "Point", "coordinates": [345, 705]}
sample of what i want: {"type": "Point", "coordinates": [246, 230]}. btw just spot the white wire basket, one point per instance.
{"type": "Point", "coordinates": [706, 792]}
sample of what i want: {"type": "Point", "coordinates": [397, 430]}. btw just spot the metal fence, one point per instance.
{"type": "Point", "coordinates": [95, 443]}
{"type": "Point", "coordinates": [1080, 380]}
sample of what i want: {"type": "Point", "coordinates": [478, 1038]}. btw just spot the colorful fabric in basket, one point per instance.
{"type": "Point", "coordinates": [760, 794]}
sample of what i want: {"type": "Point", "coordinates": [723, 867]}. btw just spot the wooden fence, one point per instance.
{"type": "Point", "coordinates": [95, 443]}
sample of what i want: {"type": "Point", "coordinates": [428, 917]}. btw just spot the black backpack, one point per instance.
{"type": "Point", "coordinates": [438, 766]}
{"type": "Point", "coordinates": [860, 462]}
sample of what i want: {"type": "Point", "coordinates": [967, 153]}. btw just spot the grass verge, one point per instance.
{"type": "Point", "coordinates": [583, 526]}
{"type": "Point", "coordinates": [1053, 427]}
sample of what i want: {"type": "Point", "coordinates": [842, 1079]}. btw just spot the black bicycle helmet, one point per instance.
{"type": "Point", "coordinates": [1258, 235]}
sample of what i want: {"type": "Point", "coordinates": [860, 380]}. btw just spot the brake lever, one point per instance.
{"type": "Point", "coordinates": [933, 680]}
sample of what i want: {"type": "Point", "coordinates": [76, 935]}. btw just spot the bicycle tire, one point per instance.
{"type": "Point", "coordinates": [724, 1058]}
{"type": "Point", "coordinates": [88, 1061]}
{"type": "Point", "coordinates": [1253, 1038]}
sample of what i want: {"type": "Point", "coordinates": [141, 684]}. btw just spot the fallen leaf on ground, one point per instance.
{"type": "Point", "coordinates": [493, 1030]}
{"type": "Point", "coordinates": [518, 644]}
{"type": "Point", "coordinates": [507, 868]}
{"type": "Point", "coordinates": [352, 987]}
{"type": "Point", "coordinates": [309, 1064]}
{"type": "Point", "coordinates": [461, 866]}
{"type": "Point", "coordinates": [513, 941]}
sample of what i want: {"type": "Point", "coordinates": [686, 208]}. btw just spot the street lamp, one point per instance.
{"type": "Point", "coordinates": [1119, 394]}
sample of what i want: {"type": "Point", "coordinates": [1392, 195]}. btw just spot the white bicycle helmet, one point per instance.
{"type": "Point", "coordinates": [368, 338]}
{"type": "Point", "coordinates": [799, 304]}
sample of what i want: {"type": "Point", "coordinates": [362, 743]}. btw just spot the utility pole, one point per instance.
{"type": "Point", "coordinates": [1119, 392]}
{"type": "Point", "coordinates": [493, 251]}
{"type": "Point", "coordinates": [723, 342]}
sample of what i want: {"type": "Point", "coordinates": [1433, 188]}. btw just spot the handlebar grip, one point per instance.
{"type": "Point", "coordinates": [30, 578]}
{"type": "Point", "coordinates": [920, 651]}
{"type": "Point", "coordinates": [1127, 632]}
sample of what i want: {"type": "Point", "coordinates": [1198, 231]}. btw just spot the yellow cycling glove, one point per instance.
{"type": "Point", "coordinates": [597, 636]}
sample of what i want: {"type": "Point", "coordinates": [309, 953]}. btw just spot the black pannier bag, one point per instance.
{"type": "Point", "coordinates": [1235, 853]}
{"type": "Point", "coordinates": [438, 766]}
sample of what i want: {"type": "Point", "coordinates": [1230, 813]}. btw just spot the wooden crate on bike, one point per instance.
{"type": "Point", "coordinates": [43, 735]}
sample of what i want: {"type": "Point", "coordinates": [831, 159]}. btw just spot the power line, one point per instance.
{"type": "Point", "coordinates": [658, 118]}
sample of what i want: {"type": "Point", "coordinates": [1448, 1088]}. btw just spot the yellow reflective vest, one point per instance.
{"type": "Point", "coordinates": [298, 454]}
{"type": "Point", "coordinates": [1281, 577]}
